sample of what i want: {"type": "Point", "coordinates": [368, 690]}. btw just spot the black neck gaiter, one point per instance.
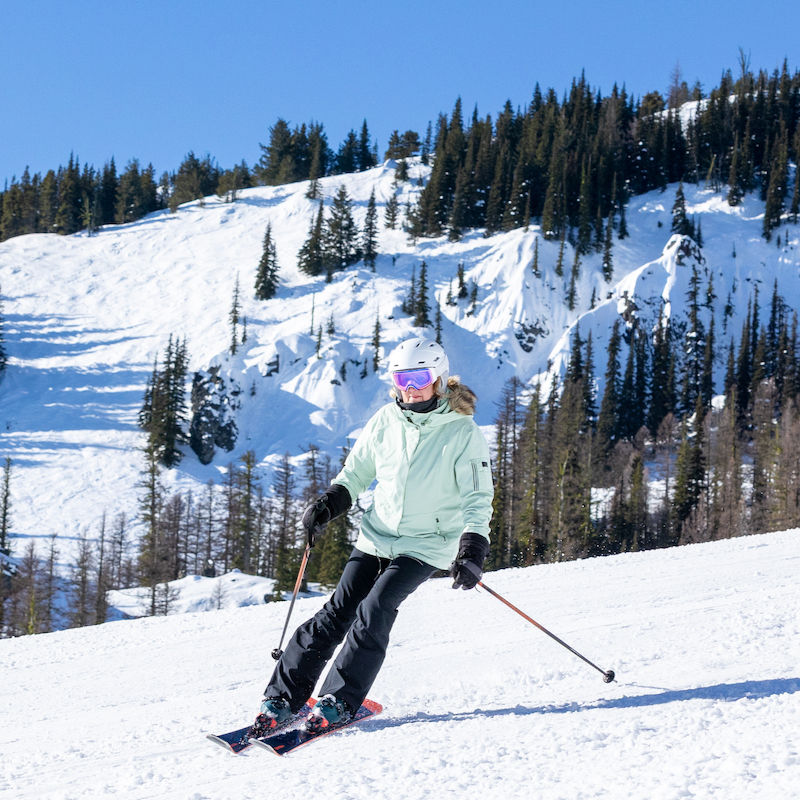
{"type": "Point", "coordinates": [425, 407]}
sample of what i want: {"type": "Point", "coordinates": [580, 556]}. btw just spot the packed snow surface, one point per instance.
{"type": "Point", "coordinates": [704, 639]}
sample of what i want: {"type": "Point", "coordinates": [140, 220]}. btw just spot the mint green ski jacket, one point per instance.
{"type": "Point", "coordinates": [434, 481]}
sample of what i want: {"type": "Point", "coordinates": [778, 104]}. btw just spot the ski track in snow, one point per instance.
{"type": "Point", "coordinates": [705, 641]}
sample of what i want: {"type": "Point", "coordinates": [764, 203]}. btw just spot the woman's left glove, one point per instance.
{"type": "Point", "coordinates": [467, 569]}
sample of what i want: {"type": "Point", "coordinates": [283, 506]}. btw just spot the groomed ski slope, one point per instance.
{"type": "Point", "coordinates": [705, 641]}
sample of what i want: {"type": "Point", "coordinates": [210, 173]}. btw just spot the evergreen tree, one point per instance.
{"type": "Point", "coordinates": [340, 240]}
{"type": "Point", "coordinates": [535, 265]}
{"type": "Point", "coordinates": [286, 556]}
{"type": "Point", "coordinates": [608, 419]}
{"type": "Point", "coordinates": [662, 400]}
{"type": "Point", "coordinates": [376, 344]}
{"type": "Point", "coordinates": [694, 347]}
{"type": "Point", "coordinates": [267, 273]}
{"type": "Point", "coordinates": [778, 181]}
{"type": "Point", "coordinates": [584, 215]}
{"type": "Point", "coordinates": [462, 285]}
{"type": "Point", "coordinates": [5, 507]}
{"type": "Point", "coordinates": [608, 244]}
{"type": "Point", "coordinates": [572, 296]}
{"type": "Point", "coordinates": [366, 160]}
{"type": "Point", "coordinates": [560, 262]}
{"type": "Point", "coordinates": [3, 353]}
{"type": "Point", "coordinates": [311, 258]}
{"type": "Point", "coordinates": [421, 308]}
{"type": "Point", "coordinates": [370, 241]}
{"type": "Point", "coordinates": [391, 211]}
{"type": "Point", "coordinates": [681, 224]}
{"type": "Point", "coordinates": [163, 412]}
{"type": "Point", "coordinates": [234, 317]}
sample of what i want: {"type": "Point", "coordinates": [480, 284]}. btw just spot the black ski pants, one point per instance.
{"type": "Point", "coordinates": [363, 608]}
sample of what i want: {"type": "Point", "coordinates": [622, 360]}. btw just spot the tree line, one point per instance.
{"type": "Point", "coordinates": [571, 163]}
{"type": "Point", "coordinates": [654, 462]}
{"type": "Point", "coordinates": [76, 198]}
{"type": "Point", "coordinates": [237, 524]}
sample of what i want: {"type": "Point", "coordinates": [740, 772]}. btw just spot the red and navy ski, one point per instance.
{"type": "Point", "coordinates": [239, 740]}
{"type": "Point", "coordinates": [291, 738]}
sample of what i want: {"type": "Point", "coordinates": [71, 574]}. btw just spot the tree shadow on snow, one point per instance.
{"type": "Point", "coordinates": [728, 692]}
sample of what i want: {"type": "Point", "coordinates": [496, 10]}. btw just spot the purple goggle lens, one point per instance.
{"type": "Point", "coordinates": [418, 378]}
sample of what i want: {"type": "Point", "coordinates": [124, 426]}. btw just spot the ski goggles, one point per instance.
{"type": "Point", "coordinates": [418, 378]}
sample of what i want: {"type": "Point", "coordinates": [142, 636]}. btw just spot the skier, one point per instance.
{"type": "Point", "coordinates": [430, 511]}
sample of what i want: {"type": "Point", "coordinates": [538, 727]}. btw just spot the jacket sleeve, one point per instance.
{"type": "Point", "coordinates": [474, 476]}
{"type": "Point", "coordinates": [358, 471]}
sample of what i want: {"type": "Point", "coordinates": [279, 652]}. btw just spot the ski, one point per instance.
{"type": "Point", "coordinates": [289, 739]}
{"type": "Point", "coordinates": [239, 740]}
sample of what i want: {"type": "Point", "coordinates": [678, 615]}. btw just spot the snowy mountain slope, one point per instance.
{"type": "Point", "coordinates": [86, 316]}
{"type": "Point", "coordinates": [705, 641]}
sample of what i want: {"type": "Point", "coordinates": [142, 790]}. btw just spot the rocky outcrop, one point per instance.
{"type": "Point", "coordinates": [213, 404]}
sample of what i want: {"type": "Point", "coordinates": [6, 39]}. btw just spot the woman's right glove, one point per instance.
{"type": "Point", "coordinates": [467, 569]}
{"type": "Point", "coordinates": [328, 506]}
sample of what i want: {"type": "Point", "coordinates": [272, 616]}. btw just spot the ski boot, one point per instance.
{"type": "Point", "coordinates": [327, 713]}
{"type": "Point", "coordinates": [275, 714]}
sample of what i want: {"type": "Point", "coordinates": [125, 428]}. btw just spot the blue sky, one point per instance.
{"type": "Point", "coordinates": [153, 79]}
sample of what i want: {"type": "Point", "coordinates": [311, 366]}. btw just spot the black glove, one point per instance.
{"type": "Point", "coordinates": [467, 569]}
{"type": "Point", "coordinates": [330, 505]}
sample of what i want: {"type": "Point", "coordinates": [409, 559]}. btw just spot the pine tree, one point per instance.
{"type": "Point", "coordinates": [5, 507]}
{"type": "Point", "coordinates": [608, 419]}
{"type": "Point", "coordinates": [370, 241]}
{"type": "Point", "coordinates": [778, 180]}
{"type": "Point", "coordinates": [151, 555]}
{"type": "Point", "coordinates": [267, 274]}
{"type": "Point", "coordinates": [391, 212]}
{"type": "Point", "coordinates": [340, 240]}
{"type": "Point", "coordinates": [376, 344]}
{"type": "Point", "coordinates": [572, 295]}
{"type": "Point", "coordinates": [311, 258]}
{"type": "Point", "coordinates": [366, 160]}
{"type": "Point", "coordinates": [608, 244]}
{"type": "Point", "coordinates": [584, 215]}
{"type": "Point", "coordinates": [233, 318]}
{"type": "Point", "coordinates": [3, 353]}
{"type": "Point", "coordinates": [662, 400]}
{"type": "Point", "coordinates": [163, 411]}
{"type": "Point", "coordinates": [286, 556]}
{"type": "Point", "coordinates": [462, 285]}
{"type": "Point", "coordinates": [422, 309]}
{"type": "Point", "coordinates": [681, 224]}
{"type": "Point", "coordinates": [535, 265]}
{"type": "Point", "coordinates": [694, 347]}
{"type": "Point", "coordinates": [560, 262]}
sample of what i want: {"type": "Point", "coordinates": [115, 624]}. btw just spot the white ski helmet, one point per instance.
{"type": "Point", "coordinates": [421, 354]}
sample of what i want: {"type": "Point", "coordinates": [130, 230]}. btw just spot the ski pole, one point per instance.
{"type": "Point", "coordinates": [608, 675]}
{"type": "Point", "coordinates": [278, 652]}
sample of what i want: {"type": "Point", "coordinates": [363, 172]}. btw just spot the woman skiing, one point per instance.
{"type": "Point", "coordinates": [430, 511]}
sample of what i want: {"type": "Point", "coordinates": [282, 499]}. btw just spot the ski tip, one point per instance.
{"type": "Point", "coordinates": [221, 742]}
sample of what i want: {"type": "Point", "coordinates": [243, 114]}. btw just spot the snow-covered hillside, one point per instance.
{"type": "Point", "coordinates": [704, 639]}
{"type": "Point", "coordinates": [87, 315]}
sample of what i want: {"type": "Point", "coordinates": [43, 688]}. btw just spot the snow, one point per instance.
{"type": "Point", "coordinates": [87, 315]}
{"type": "Point", "coordinates": [704, 640]}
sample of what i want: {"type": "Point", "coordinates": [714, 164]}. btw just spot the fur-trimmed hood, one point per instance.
{"type": "Point", "coordinates": [462, 399]}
